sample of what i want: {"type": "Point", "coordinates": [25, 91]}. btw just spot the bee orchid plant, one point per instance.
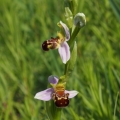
{"type": "Point", "coordinates": [67, 49]}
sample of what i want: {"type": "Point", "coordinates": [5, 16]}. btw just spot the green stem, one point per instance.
{"type": "Point", "coordinates": [65, 68]}
{"type": "Point", "coordinates": [53, 112]}
{"type": "Point", "coordinates": [74, 34]}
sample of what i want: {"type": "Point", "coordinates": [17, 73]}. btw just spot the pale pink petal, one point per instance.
{"type": "Point", "coordinates": [67, 32]}
{"type": "Point", "coordinates": [45, 95]}
{"type": "Point", "coordinates": [64, 51]}
{"type": "Point", "coordinates": [72, 93]}
{"type": "Point", "coordinates": [53, 79]}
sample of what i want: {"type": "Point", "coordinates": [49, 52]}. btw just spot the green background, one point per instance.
{"type": "Point", "coordinates": [25, 67]}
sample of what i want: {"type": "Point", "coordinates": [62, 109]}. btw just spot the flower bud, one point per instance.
{"type": "Point", "coordinates": [79, 20]}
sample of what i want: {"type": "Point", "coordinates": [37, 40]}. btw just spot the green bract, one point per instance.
{"type": "Point", "coordinates": [69, 16]}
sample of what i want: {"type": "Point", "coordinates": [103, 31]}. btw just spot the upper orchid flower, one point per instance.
{"type": "Point", "coordinates": [60, 42]}
{"type": "Point", "coordinates": [57, 93]}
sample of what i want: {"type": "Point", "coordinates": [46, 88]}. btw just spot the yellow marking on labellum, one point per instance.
{"type": "Point", "coordinates": [59, 98]}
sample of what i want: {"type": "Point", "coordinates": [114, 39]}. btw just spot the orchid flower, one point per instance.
{"type": "Point", "coordinates": [57, 93]}
{"type": "Point", "coordinates": [60, 43]}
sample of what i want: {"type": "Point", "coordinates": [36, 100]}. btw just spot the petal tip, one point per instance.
{"type": "Point", "coordinates": [72, 93]}
{"type": "Point", "coordinates": [44, 95]}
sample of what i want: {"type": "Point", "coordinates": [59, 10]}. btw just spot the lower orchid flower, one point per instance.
{"type": "Point", "coordinates": [60, 42]}
{"type": "Point", "coordinates": [57, 93]}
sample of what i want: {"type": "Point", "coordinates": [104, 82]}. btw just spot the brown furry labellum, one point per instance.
{"type": "Point", "coordinates": [60, 97]}
{"type": "Point", "coordinates": [52, 43]}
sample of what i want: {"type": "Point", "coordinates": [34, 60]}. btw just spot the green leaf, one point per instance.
{"type": "Point", "coordinates": [116, 7]}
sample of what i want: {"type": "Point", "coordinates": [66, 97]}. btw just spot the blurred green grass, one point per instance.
{"type": "Point", "coordinates": [24, 67]}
